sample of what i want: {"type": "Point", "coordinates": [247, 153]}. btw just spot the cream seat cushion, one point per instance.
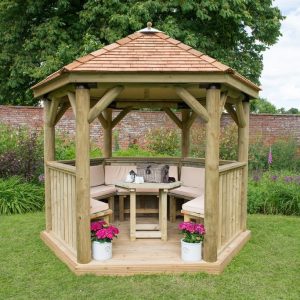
{"type": "Point", "coordinates": [102, 190]}
{"type": "Point", "coordinates": [196, 205]}
{"type": "Point", "coordinates": [96, 206]}
{"type": "Point", "coordinates": [186, 191]}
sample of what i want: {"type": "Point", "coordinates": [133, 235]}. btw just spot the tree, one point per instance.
{"type": "Point", "coordinates": [262, 106]}
{"type": "Point", "coordinates": [293, 111]}
{"type": "Point", "coordinates": [39, 37]}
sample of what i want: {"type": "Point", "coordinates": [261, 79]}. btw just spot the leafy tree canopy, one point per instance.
{"type": "Point", "coordinates": [262, 106]}
{"type": "Point", "coordinates": [39, 37]}
{"type": "Point", "coordinates": [291, 111]}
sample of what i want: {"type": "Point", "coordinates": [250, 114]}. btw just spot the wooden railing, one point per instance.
{"type": "Point", "coordinates": [230, 193]}
{"type": "Point", "coordinates": [63, 202]}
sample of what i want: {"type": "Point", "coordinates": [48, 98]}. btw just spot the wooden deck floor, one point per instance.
{"type": "Point", "coordinates": [145, 256]}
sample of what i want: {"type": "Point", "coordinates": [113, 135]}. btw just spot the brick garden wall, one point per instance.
{"type": "Point", "coordinates": [136, 124]}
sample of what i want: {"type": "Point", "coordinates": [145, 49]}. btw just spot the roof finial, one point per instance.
{"type": "Point", "coordinates": [149, 29]}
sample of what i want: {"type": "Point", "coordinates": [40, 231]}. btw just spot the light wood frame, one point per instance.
{"type": "Point", "coordinates": [223, 91]}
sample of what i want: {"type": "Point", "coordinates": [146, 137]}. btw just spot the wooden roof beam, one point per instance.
{"type": "Point", "coordinates": [192, 102]}
{"type": "Point", "coordinates": [223, 101]}
{"type": "Point", "coordinates": [232, 112]}
{"type": "Point", "coordinates": [240, 114]}
{"type": "Point", "coordinates": [72, 100]}
{"type": "Point", "coordinates": [61, 111]}
{"type": "Point", "coordinates": [120, 116]}
{"type": "Point", "coordinates": [53, 111]}
{"type": "Point", "coordinates": [191, 120]}
{"type": "Point", "coordinates": [103, 121]}
{"type": "Point", "coordinates": [173, 117]}
{"type": "Point", "coordinates": [104, 102]}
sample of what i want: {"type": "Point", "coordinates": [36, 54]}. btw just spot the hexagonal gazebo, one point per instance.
{"type": "Point", "coordinates": [147, 69]}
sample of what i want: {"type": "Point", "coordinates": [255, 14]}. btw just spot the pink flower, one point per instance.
{"type": "Point", "coordinates": [270, 157]}
{"type": "Point", "coordinates": [100, 230]}
{"type": "Point", "coordinates": [110, 235]}
{"type": "Point", "coordinates": [193, 232]}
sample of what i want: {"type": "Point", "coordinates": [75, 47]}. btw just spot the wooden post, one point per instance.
{"type": "Point", "coordinates": [132, 214]}
{"type": "Point", "coordinates": [49, 155]}
{"type": "Point", "coordinates": [107, 136]}
{"type": "Point", "coordinates": [83, 175]}
{"type": "Point", "coordinates": [211, 203]}
{"type": "Point", "coordinates": [185, 133]}
{"type": "Point", "coordinates": [243, 141]}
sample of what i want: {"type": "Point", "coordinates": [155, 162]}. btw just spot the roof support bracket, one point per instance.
{"type": "Point", "coordinates": [223, 101]}
{"type": "Point", "coordinates": [53, 111]}
{"type": "Point", "coordinates": [61, 111]}
{"type": "Point", "coordinates": [191, 120]}
{"type": "Point", "coordinates": [232, 112]}
{"type": "Point", "coordinates": [103, 103]}
{"type": "Point", "coordinates": [103, 121]}
{"type": "Point", "coordinates": [192, 102]}
{"type": "Point", "coordinates": [120, 116]}
{"type": "Point", "coordinates": [173, 117]}
{"type": "Point", "coordinates": [72, 100]}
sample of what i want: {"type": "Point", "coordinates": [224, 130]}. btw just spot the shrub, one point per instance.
{"type": "Point", "coordinates": [163, 141]}
{"type": "Point", "coordinates": [229, 142]}
{"type": "Point", "coordinates": [21, 152]}
{"type": "Point", "coordinates": [258, 155]}
{"type": "Point", "coordinates": [17, 197]}
{"type": "Point", "coordinates": [284, 152]}
{"type": "Point", "coordinates": [116, 140]}
{"type": "Point", "coordinates": [65, 148]}
{"type": "Point", "coordinates": [197, 141]}
{"type": "Point", "coordinates": [133, 151]}
{"type": "Point", "coordinates": [274, 193]}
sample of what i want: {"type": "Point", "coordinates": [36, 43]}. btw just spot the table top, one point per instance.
{"type": "Point", "coordinates": [150, 185]}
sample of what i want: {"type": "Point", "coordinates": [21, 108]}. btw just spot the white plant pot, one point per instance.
{"type": "Point", "coordinates": [101, 251]}
{"type": "Point", "coordinates": [191, 252]}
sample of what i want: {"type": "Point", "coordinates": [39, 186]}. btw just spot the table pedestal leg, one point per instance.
{"type": "Point", "coordinates": [132, 215]}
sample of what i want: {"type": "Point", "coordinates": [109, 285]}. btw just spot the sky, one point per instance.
{"type": "Point", "coordinates": [280, 80]}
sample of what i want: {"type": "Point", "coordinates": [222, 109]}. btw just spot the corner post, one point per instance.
{"type": "Point", "coordinates": [49, 155]}
{"type": "Point", "coordinates": [83, 175]}
{"type": "Point", "coordinates": [107, 135]}
{"type": "Point", "coordinates": [243, 143]}
{"type": "Point", "coordinates": [211, 204]}
{"type": "Point", "coordinates": [185, 133]}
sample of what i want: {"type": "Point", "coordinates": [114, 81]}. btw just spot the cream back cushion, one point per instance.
{"type": "Point", "coordinates": [173, 172]}
{"type": "Point", "coordinates": [193, 177]}
{"type": "Point", "coordinates": [96, 175]}
{"type": "Point", "coordinates": [113, 174]}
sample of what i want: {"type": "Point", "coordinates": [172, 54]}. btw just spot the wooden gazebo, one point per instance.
{"type": "Point", "coordinates": [147, 69]}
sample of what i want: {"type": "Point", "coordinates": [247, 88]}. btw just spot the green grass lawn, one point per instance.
{"type": "Point", "coordinates": [267, 268]}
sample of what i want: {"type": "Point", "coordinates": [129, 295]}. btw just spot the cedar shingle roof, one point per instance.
{"type": "Point", "coordinates": [146, 52]}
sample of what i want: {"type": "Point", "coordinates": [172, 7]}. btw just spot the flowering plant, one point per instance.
{"type": "Point", "coordinates": [102, 232]}
{"type": "Point", "coordinates": [192, 232]}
